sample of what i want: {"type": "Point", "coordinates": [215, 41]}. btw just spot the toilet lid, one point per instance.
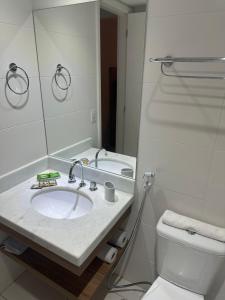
{"type": "Point", "coordinates": [164, 290]}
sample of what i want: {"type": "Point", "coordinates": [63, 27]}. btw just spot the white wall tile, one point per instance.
{"type": "Point", "coordinates": [185, 112]}
{"type": "Point", "coordinates": [16, 12]}
{"type": "Point", "coordinates": [21, 145]}
{"type": "Point", "coordinates": [77, 97]}
{"type": "Point", "coordinates": [139, 267]}
{"type": "Point", "coordinates": [174, 7]}
{"type": "Point", "coordinates": [179, 168]}
{"type": "Point", "coordinates": [161, 199]}
{"type": "Point", "coordinates": [77, 20]}
{"type": "Point", "coordinates": [214, 199]}
{"type": "Point", "coordinates": [182, 121]}
{"type": "Point", "coordinates": [67, 35]}
{"type": "Point", "coordinates": [22, 136]}
{"type": "Point", "coordinates": [17, 45]}
{"type": "Point", "coordinates": [68, 129]}
{"type": "Point", "coordinates": [77, 53]}
{"type": "Point", "coordinates": [220, 139]}
{"type": "Point", "coordinates": [9, 272]}
{"type": "Point", "coordinates": [184, 35]}
{"type": "Point", "coordinates": [19, 109]}
{"type": "Point", "coordinates": [40, 4]}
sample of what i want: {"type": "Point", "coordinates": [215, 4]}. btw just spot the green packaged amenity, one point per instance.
{"type": "Point", "coordinates": [48, 176]}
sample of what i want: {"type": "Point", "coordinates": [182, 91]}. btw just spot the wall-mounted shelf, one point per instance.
{"type": "Point", "coordinates": [168, 61]}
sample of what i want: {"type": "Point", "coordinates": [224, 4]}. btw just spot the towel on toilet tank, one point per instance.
{"type": "Point", "coordinates": [179, 221]}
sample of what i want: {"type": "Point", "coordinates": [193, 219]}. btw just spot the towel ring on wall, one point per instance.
{"type": "Point", "coordinates": [13, 68]}
{"type": "Point", "coordinates": [59, 69]}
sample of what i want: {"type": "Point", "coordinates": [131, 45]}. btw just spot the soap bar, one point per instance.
{"type": "Point", "coordinates": [42, 177]}
{"type": "Point", "coordinates": [48, 176]}
{"type": "Point", "coordinates": [54, 175]}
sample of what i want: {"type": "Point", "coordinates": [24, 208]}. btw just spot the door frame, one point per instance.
{"type": "Point", "coordinates": [121, 11]}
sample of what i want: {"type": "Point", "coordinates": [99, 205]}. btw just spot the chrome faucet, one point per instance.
{"type": "Point", "coordinates": [72, 178]}
{"type": "Point", "coordinates": [97, 154]}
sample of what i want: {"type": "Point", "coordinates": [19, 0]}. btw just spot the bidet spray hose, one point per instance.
{"type": "Point", "coordinates": [149, 180]}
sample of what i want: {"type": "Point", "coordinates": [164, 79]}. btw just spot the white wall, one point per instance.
{"type": "Point", "coordinates": [182, 132]}
{"type": "Point", "coordinates": [21, 118]}
{"type": "Point", "coordinates": [134, 81]}
{"type": "Point", "coordinates": [68, 35]}
{"type": "Point", "coordinates": [40, 4]}
{"type": "Point", "coordinates": [114, 6]}
{"type": "Point", "coordinates": [22, 137]}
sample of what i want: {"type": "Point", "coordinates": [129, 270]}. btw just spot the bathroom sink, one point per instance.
{"type": "Point", "coordinates": [61, 203]}
{"type": "Point", "coordinates": [111, 165]}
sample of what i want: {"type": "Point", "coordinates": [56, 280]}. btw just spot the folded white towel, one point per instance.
{"type": "Point", "coordinates": [179, 221]}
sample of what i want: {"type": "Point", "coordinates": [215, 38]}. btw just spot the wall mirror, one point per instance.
{"type": "Point", "coordinates": [91, 58]}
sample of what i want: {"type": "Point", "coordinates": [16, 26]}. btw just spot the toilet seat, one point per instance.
{"type": "Point", "coordinates": [164, 290]}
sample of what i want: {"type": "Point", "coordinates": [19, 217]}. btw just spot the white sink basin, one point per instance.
{"type": "Point", "coordinates": [111, 165]}
{"type": "Point", "coordinates": [61, 203]}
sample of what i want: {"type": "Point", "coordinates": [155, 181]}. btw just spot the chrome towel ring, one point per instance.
{"type": "Point", "coordinates": [13, 68]}
{"type": "Point", "coordinates": [59, 69]}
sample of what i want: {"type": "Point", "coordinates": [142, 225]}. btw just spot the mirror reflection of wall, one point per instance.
{"type": "Point", "coordinates": [122, 59]}
{"type": "Point", "coordinates": [91, 77]}
{"type": "Point", "coordinates": [67, 36]}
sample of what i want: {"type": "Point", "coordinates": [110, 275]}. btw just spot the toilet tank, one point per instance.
{"type": "Point", "coordinates": [189, 261]}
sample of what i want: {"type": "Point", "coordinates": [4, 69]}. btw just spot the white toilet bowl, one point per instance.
{"type": "Point", "coordinates": [187, 264]}
{"type": "Point", "coordinates": [164, 290]}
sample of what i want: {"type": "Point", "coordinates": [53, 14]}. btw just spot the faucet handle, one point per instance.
{"type": "Point", "coordinates": [93, 186]}
{"type": "Point", "coordinates": [82, 184]}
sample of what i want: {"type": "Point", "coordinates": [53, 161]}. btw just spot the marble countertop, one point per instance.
{"type": "Point", "coordinates": [75, 239]}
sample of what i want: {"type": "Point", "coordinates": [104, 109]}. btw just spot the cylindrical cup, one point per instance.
{"type": "Point", "coordinates": [109, 192]}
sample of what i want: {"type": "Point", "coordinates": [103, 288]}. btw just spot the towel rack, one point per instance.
{"type": "Point", "coordinates": [168, 61]}
{"type": "Point", "coordinates": [13, 68]}
{"type": "Point", "coordinates": [59, 69]}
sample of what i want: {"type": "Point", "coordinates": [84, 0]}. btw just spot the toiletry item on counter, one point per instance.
{"type": "Point", "coordinates": [108, 254]}
{"type": "Point", "coordinates": [44, 184]}
{"type": "Point", "coordinates": [109, 191]}
{"type": "Point", "coordinates": [128, 172]}
{"type": "Point", "coordinates": [85, 161]}
{"type": "Point", "coordinates": [13, 246]}
{"type": "Point", "coordinates": [48, 176]}
{"type": "Point", "coordinates": [46, 180]}
{"type": "Point", "coordinates": [119, 239]}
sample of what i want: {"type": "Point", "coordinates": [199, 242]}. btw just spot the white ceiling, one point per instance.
{"type": "Point", "coordinates": [134, 2]}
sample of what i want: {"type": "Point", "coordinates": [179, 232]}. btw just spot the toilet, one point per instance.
{"type": "Point", "coordinates": [187, 264]}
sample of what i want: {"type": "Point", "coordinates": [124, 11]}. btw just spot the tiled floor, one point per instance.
{"type": "Point", "coordinates": [133, 293]}
{"type": "Point", "coordinates": [29, 287]}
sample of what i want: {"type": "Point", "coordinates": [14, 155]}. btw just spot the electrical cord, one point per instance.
{"type": "Point", "coordinates": [147, 187]}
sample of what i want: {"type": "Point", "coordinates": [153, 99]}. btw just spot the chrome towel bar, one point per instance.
{"type": "Point", "coordinates": [168, 61]}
